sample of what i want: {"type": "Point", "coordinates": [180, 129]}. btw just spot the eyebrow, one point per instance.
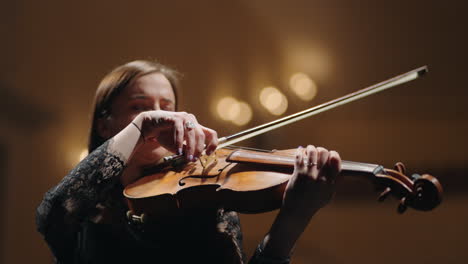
{"type": "Point", "coordinates": [142, 96]}
{"type": "Point", "coordinates": [138, 96]}
{"type": "Point", "coordinates": [167, 100]}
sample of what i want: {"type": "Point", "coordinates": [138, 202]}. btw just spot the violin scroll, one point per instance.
{"type": "Point", "coordinates": [420, 192]}
{"type": "Point", "coordinates": [428, 192]}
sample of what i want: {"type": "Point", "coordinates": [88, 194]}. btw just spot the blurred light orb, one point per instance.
{"type": "Point", "coordinates": [228, 108]}
{"type": "Point", "coordinates": [303, 86]}
{"type": "Point", "coordinates": [233, 111]}
{"type": "Point", "coordinates": [245, 114]}
{"type": "Point", "coordinates": [83, 154]}
{"type": "Point", "coordinates": [273, 100]}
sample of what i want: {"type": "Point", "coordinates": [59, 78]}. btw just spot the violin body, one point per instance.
{"type": "Point", "coordinates": [241, 187]}
{"type": "Point", "coordinates": [249, 181]}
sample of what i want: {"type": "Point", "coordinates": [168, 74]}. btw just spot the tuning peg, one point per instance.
{"type": "Point", "coordinates": [400, 167]}
{"type": "Point", "coordinates": [415, 176]}
{"type": "Point", "coordinates": [384, 194]}
{"type": "Point", "coordinates": [402, 206]}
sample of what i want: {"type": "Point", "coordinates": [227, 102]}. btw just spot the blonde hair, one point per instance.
{"type": "Point", "coordinates": [115, 82]}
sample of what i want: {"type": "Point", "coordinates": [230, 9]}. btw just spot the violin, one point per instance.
{"type": "Point", "coordinates": [250, 180]}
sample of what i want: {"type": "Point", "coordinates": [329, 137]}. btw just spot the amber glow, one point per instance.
{"type": "Point", "coordinates": [83, 154]}
{"type": "Point", "coordinates": [273, 100]}
{"type": "Point", "coordinates": [230, 109]}
{"type": "Point", "coordinates": [303, 86]}
{"type": "Point", "coordinates": [245, 114]}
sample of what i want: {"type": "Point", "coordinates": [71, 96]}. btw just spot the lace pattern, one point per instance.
{"type": "Point", "coordinates": [229, 224]}
{"type": "Point", "coordinates": [76, 197]}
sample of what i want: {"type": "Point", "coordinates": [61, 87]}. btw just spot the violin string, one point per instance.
{"type": "Point", "coordinates": [248, 148]}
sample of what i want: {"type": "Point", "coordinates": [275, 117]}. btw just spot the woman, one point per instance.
{"type": "Point", "coordinates": [134, 125]}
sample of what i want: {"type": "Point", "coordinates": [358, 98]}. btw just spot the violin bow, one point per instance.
{"type": "Point", "coordinates": [252, 132]}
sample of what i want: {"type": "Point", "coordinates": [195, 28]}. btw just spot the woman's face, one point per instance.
{"type": "Point", "coordinates": [149, 92]}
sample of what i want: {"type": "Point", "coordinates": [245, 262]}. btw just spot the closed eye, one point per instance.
{"type": "Point", "coordinates": [167, 105]}
{"type": "Point", "coordinates": [141, 106]}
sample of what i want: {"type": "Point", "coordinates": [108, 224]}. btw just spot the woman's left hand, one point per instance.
{"type": "Point", "coordinates": [310, 188]}
{"type": "Point", "coordinates": [312, 184]}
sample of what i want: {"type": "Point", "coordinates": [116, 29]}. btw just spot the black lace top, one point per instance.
{"type": "Point", "coordinates": [72, 217]}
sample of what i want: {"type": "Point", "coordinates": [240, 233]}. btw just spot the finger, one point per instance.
{"type": "Point", "coordinates": [178, 135]}
{"type": "Point", "coordinates": [190, 134]}
{"type": "Point", "coordinates": [211, 139]}
{"type": "Point", "coordinates": [193, 120]}
{"type": "Point", "coordinates": [199, 142]}
{"type": "Point", "coordinates": [322, 160]}
{"type": "Point", "coordinates": [190, 141]}
{"type": "Point", "coordinates": [192, 117]}
{"type": "Point", "coordinates": [311, 155]}
{"type": "Point", "coordinates": [189, 137]}
{"type": "Point", "coordinates": [334, 161]}
{"type": "Point", "coordinates": [322, 157]}
{"type": "Point", "coordinates": [198, 136]}
{"type": "Point", "coordinates": [299, 165]}
{"type": "Point", "coordinates": [311, 166]}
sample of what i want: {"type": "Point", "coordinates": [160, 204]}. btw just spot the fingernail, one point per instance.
{"type": "Point", "coordinates": [195, 158]}
{"type": "Point", "coordinates": [179, 151]}
{"type": "Point", "coordinates": [190, 157]}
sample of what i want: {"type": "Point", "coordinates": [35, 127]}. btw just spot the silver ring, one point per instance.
{"type": "Point", "coordinates": [189, 125]}
{"type": "Point", "coordinates": [310, 164]}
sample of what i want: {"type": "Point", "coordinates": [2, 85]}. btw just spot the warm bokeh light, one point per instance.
{"type": "Point", "coordinates": [245, 114]}
{"type": "Point", "coordinates": [230, 109]}
{"type": "Point", "coordinates": [83, 154]}
{"type": "Point", "coordinates": [74, 155]}
{"type": "Point", "coordinates": [304, 87]}
{"type": "Point", "coordinates": [273, 100]}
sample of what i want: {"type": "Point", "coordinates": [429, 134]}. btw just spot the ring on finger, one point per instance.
{"type": "Point", "coordinates": [189, 125]}
{"type": "Point", "coordinates": [309, 163]}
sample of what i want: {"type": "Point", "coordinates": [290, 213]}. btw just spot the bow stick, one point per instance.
{"type": "Point", "coordinates": [252, 132]}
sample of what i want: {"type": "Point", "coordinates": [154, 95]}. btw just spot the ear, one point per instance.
{"type": "Point", "coordinates": [103, 127]}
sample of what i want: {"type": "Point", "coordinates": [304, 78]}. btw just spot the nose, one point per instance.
{"type": "Point", "coordinates": [156, 106]}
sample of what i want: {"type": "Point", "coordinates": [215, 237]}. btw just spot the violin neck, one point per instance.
{"type": "Point", "coordinates": [288, 160]}
{"type": "Point", "coordinates": [352, 166]}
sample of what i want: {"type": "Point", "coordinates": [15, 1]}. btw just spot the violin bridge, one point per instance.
{"type": "Point", "coordinates": [206, 160]}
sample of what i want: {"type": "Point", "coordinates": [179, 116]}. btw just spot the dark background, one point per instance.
{"type": "Point", "coordinates": [54, 53]}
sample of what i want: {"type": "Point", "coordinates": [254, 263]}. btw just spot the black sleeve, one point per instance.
{"type": "Point", "coordinates": [66, 206]}
{"type": "Point", "coordinates": [229, 223]}
{"type": "Point", "coordinates": [258, 258]}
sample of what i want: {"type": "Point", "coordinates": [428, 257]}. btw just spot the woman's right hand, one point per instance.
{"type": "Point", "coordinates": [172, 129]}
